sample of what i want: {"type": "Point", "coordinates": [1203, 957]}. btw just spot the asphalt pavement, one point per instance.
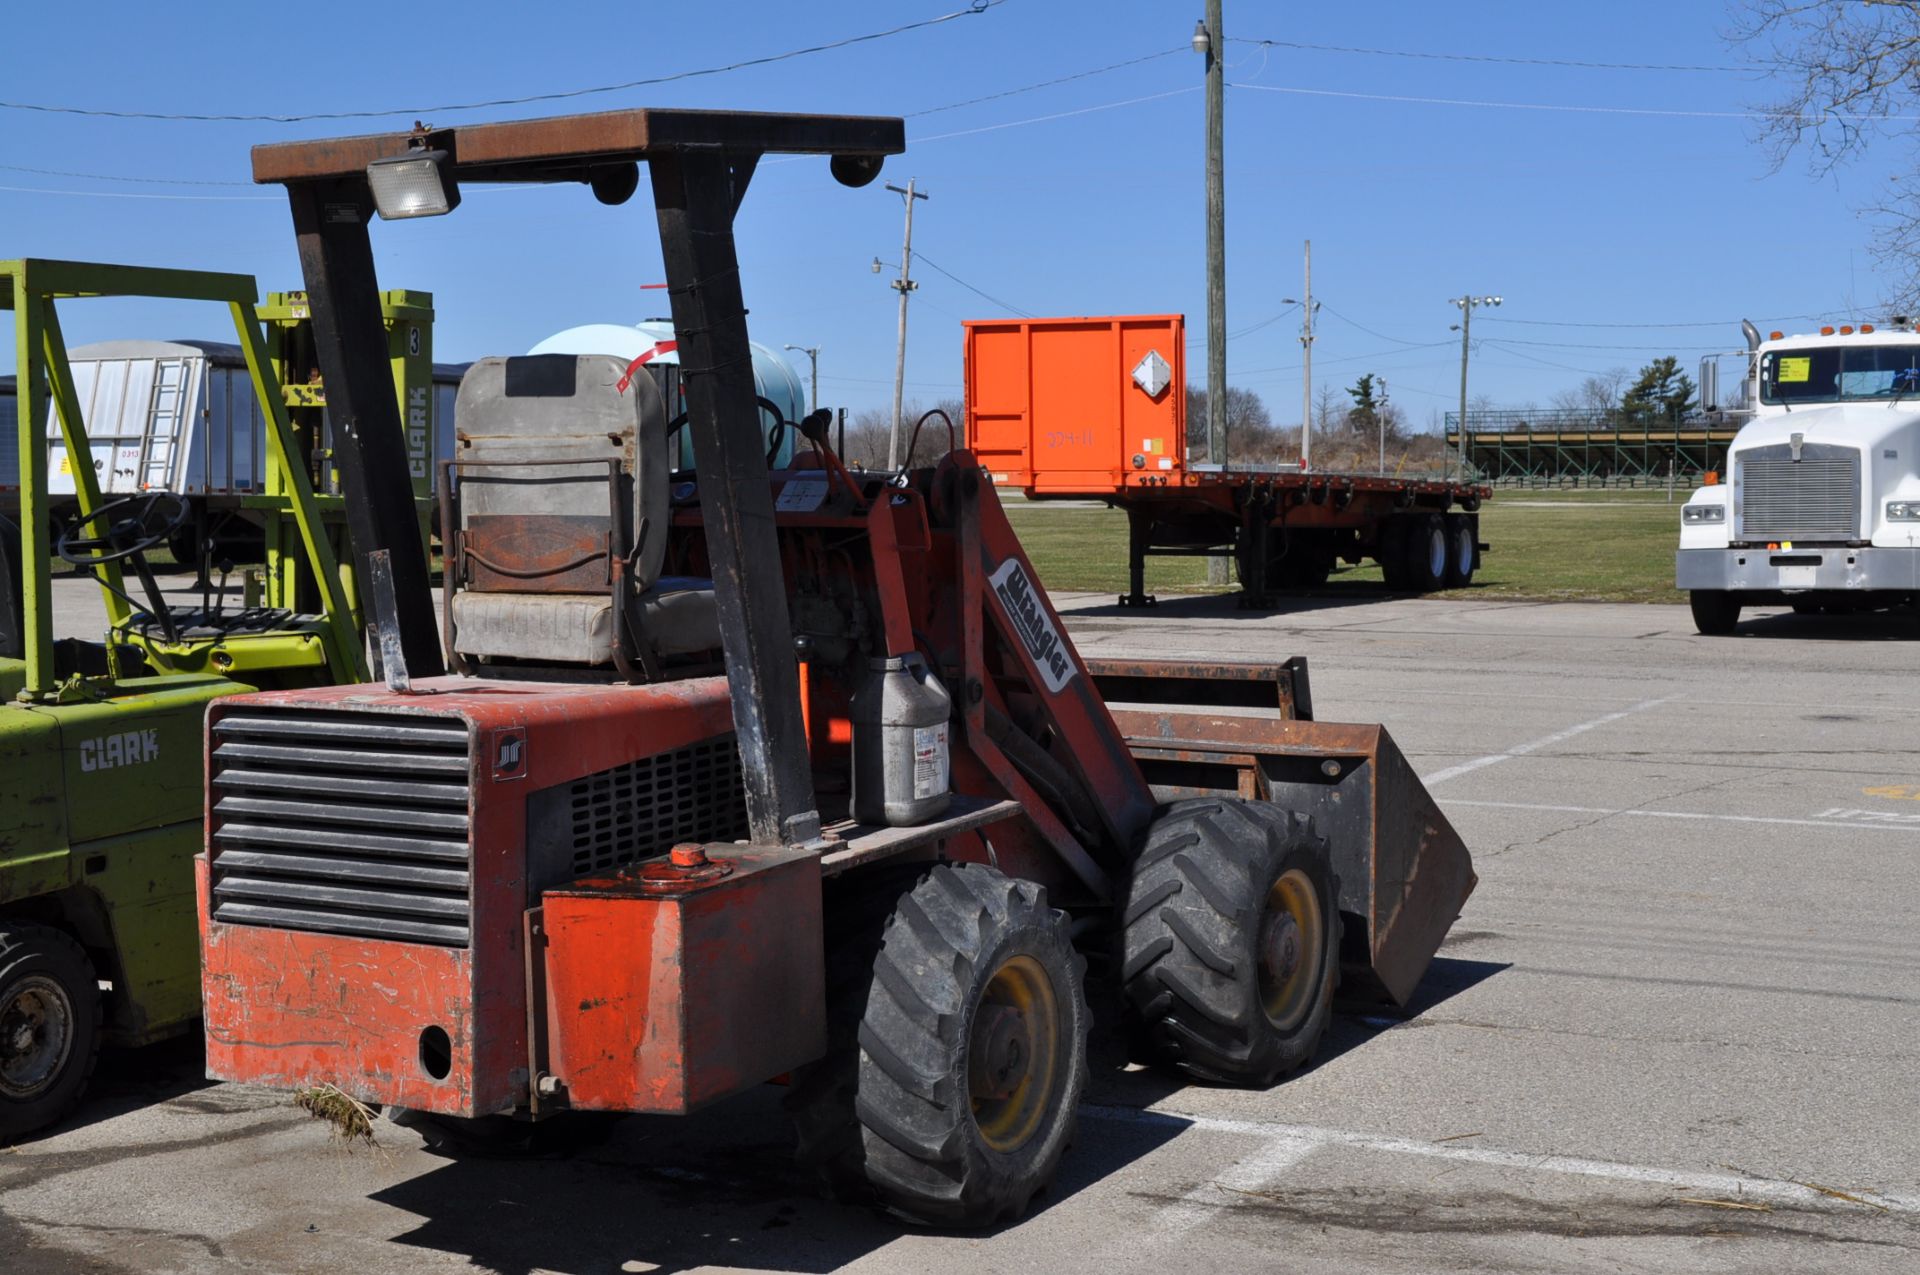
{"type": "Point", "coordinates": [1674, 1030]}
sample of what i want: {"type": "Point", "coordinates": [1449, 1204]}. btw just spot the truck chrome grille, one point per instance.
{"type": "Point", "coordinates": [1815, 498]}
{"type": "Point", "coordinates": [342, 823]}
{"type": "Point", "coordinates": [646, 807]}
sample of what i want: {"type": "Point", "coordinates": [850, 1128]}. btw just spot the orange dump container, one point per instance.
{"type": "Point", "coordinates": [1058, 406]}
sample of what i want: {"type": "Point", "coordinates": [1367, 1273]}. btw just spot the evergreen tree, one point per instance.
{"type": "Point", "coordinates": [1662, 394]}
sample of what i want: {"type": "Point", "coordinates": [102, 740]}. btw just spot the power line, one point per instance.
{"type": "Point", "coordinates": [1569, 323]}
{"type": "Point", "coordinates": [1347, 358]}
{"type": "Point", "coordinates": [1484, 57]}
{"type": "Point", "coordinates": [110, 177]}
{"type": "Point", "coordinates": [974, 7]}
{"type": "Point", "coordinates": [1058, 115]}
{"type": "Point", "coordinates": [1575, 110]}
{"type": "Point", "coordinates": [1364, 328]}
{"type": "Point", "coordinates": [1046, 84]}
{"type": "Point", "coordinates": [1570, 345]}
{"type": "Point", "coordinates": [782, 159]}
{"type": "Point", "coordinates": [928, 261]}
{"type": "Point", "coordinates": [135, 194]}
{"type": "Point", "coordinates": [1499, 344]}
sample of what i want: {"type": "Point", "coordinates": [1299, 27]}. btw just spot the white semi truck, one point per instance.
{"type": "Point", "coordinates": [1820, 509]}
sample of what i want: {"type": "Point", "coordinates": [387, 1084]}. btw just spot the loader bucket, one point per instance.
{"type": "Point", "coordinates": [1403, 872]}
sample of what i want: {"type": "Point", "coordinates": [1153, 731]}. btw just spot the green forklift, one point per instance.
{"type": "Point", "coordinates": [101, 758]}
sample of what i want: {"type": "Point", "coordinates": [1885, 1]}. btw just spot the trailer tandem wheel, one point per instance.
{"type": "Point", "coordinates": [1425, 552]}
{"type": "Point", "coordinates": [1231, 940]}
{"type": "Point", "coordinates": [1390, 551]}
{"type": "Point", "coordinates": [957, 1051]}
{"type": "Point", "coordinates": [1462, 549]}
{"type": "Point", "coordinates": [49, 1026]}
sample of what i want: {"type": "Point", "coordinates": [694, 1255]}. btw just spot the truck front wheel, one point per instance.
{"type": "Point", "coordinates": [1715, 611]}
{"type": "Point", "coordinates": [49, 1027]}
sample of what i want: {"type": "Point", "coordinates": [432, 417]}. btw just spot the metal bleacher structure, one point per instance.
{"type": "Point", "coordinates": [1598, 448]}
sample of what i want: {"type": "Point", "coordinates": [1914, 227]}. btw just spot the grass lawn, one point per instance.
{"type": "Point", "coordinates": [1608, 546]}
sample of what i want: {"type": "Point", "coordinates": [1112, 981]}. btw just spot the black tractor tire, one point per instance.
{"type": "Point", "coordinates": [49, 1027]}
{"type": "Point", "coordinates": [1463, 553]}
{"type": "Point", "coordinates": [1390, 552]}
{"type": "Point", "coordinates": [968, 1059]}
{"type": "Point", "coordinates": [1425, 553]}
{"type": "Point", "coordinates": [1231, 941]}
{"type": "Point", "coordinates": [1715, 611]}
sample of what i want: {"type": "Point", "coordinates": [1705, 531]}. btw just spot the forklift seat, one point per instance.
{"type": "Point", "coordinates": [563, 472]}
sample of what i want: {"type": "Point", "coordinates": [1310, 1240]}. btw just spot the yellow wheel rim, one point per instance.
{"type": "Point", "coordinates": [1013, 1050]}
{"type": "Point", "coordinates": [1292, 949]}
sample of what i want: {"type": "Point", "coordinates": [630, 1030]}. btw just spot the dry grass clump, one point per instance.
{"type": "Point", "coordinates": [350, 1120]}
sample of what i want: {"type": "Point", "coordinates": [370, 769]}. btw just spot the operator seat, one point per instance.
{"type": "Point", "coordinates": [562, 471]}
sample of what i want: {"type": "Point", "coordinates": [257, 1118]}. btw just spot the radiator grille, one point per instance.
{"type": "Point", "coordinates": [645, 807]}
{"type": "Point", "coordinates": [342, 823]}
{"type": "Point", "coordinates": [1815, 498]}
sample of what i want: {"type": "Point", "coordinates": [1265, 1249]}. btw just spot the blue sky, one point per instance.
{"type": "Point", "coordinates": [1081, 198]}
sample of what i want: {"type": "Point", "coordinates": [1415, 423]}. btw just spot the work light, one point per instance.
{"type": "Point", "coordinates": [416, 184]}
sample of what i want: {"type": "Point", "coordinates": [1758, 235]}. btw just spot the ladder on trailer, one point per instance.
{"type": "Point", "coordinates": [166, 414]}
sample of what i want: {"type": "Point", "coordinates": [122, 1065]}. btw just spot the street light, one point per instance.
{"type": "Point", "coordinates": [1202, 42]}
{"type": "Point", "coordinates": [1466, 305]}
{"type": "Point", "coordinates": [813, 357]}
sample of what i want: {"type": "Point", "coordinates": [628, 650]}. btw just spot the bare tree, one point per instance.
{"type": "Point", "coordinates": [1249, 424]}
{"type": "Point", "coordinates": [868, 433]}
{"type": "Point", "coordinates": [1852, 75]}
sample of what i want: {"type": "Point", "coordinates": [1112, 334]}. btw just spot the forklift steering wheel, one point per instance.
{"type": "Point", "coordinates": [126, 535]}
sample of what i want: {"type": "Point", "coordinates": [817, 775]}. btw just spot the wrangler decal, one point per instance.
{"type": "Point", "coordinates": [1035, 626]}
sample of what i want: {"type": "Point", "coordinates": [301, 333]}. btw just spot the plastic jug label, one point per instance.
{"type": "Point", "coordinates": [930, 761]}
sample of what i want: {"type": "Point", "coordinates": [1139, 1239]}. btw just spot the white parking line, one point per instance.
{"type": "Point", "coordinates": [1290, 1138]}
{"type": "Point", "coordinates": [1845, 824]}
{"type": "Point", "coordinates": [1521, 750]}
{"type": "Point", "coordinates": [1275, 1156]}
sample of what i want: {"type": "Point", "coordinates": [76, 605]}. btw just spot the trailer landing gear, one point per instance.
{"type": "Point", "coordinates": [958, 1051]}
{"type": "Point", "coordinates": [1232, 944]}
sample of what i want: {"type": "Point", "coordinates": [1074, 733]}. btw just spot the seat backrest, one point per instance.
{"type": "Point", "coordinates": [538, 502]}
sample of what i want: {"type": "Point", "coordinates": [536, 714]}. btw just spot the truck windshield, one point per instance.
{"type": "Point", "coordinates": [1839, 373]}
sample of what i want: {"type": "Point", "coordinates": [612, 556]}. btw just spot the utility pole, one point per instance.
{"type": "Point", "coordinates": [1308, 304]}
{"type": "Point", "coordinates": [1380, 411]}
{"type": "Point", "coordinates": [904, 284]}
{"type": "Point", "coordinates": [1467, 305]}
{"type": "Point", "coordinates": [1306, 393]}
{"type": "Point", "coordinates": [813, 357]}
{"type": "Point", "coordinates": [1210, 42]}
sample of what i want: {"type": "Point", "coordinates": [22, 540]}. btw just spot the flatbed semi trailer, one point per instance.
{"type": "Point", "coordinates": [1095, 409]}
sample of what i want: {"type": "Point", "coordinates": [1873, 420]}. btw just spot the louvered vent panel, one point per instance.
{"type": "Point", "coordinates": [645, 807]}
{"type": "Point", "coordinates": [342, 823]}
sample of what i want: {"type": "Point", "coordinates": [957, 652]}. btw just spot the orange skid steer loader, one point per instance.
{"type": "Point", "coordinates": [742, 773]}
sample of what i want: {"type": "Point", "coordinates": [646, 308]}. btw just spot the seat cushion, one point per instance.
{"type": "Point", "coordinates": [677, 616]}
